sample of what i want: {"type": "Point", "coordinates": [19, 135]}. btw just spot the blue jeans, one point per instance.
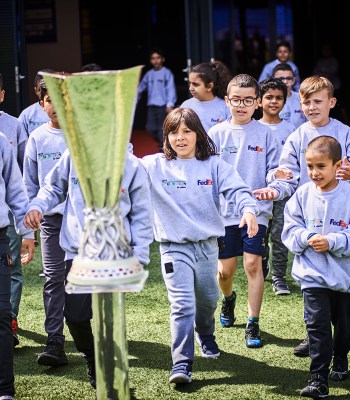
{"type": "Point", "coordinates": [189, 272]}
{"type": "Point", "coordinates": [6, 338]}
{"type": "Point", "coordinates": [16, 270]}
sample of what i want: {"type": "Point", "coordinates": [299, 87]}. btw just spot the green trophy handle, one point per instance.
{"type": "Point", "coordinates": [111, 347]}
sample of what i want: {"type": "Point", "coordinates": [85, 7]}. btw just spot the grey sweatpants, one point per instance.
{"type": "Point", "coordinates": [189, 272]}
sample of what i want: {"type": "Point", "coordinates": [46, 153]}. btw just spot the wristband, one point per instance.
{"type": "Point", "coordinates": [311, 234]}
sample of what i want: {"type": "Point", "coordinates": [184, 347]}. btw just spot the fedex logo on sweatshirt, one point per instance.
{"type": "Point", "coordinates": [53, 156]}
{"type": "Point", "coordinates": [229, 149]}
{"type": "Point", "coordinates": [174, 184]}
{"type": "Point", "coordinates": [341, 223]}
{"type": "Point", "coordinates": [215, 120]}
{"type": "Point", "coordinates": [255, 148]}
{"type": "Point", "coordinates": [205, 182]}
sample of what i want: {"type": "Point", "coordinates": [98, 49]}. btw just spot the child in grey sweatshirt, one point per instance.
{"type": "Point", "coordinates": [62, 185]}
{"type": "Point", "coordinates": [12, 196]}
{"type": "Point", "coordinates": [186, 184]}
{"type": "Point", "coordinates": [316, 230]}
{"type": "Point", "coordinates": [45, 147]}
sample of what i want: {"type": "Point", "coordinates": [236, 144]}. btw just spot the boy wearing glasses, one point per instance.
{"type": "Point", "coordinates": [292, 111]}
{"type": "Point", "coordinates": [253, 150]}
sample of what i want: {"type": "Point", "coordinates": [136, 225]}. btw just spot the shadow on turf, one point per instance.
{"type": "Point", "coordinates": [244, 370]}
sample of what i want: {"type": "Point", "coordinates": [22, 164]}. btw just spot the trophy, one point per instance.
{"type": "Point", "coordinates": [95, 111]}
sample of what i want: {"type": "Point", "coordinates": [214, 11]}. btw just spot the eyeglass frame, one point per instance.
{"type": "Point", "coordinates": [286, 78]}
{"type": "Point", "coordinates": [242, 101]}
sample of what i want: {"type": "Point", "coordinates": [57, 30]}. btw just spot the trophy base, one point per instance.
{"type": "Point", "coordinates": [87, 272]}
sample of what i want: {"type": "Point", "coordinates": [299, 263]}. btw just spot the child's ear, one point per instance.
{"type": "Point", "coordinates": [41, 102]}
{"type": "Point", "coordinates": [332, 102]}
{"type": "Point", "coordinates": [338, 164]}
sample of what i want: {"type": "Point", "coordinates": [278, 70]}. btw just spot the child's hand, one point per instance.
{"type": "Point", "coordinates": [319, 243]}
{"type": "Point", "coordinates": [265, 193]}
{"type": "Point", "coordinates": [27, 251]}
{"type": "Point", "coordinates": [249, 219]}
{"type": "Point", "coordinates": [343, 172]}
{"type": "Point", "coordinates": [32, 219]}
{"type": "Point", "coordinates": [283, 173]}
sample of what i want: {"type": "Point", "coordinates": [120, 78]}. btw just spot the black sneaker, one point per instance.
{"type": "Point", "coordinates": [210, 349]}
{"type": "Point", "coordinates": [280, 286]}
{"type": "Point", "coordinates": [339, 370]}
{"type": "Point", "coordinates": [252, 336]}
{"type": "Point", "coordinates": [227, 313]}
{"type": "Point", "coordinates": [266, 267]}
{"type": "Point", "coordinates": [303, 348]}
{"type": "Point", "coordinates": [91, 373]}
{"type": "Point", "coordinates": [181, 373]}
{"type": "Point", "coordinates": [317, 387]}
{"type": "Point", "coordinates": [53, 356]}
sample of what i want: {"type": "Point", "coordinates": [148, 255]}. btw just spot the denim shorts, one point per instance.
{"type": "Point", "coordinates": [236, 241]}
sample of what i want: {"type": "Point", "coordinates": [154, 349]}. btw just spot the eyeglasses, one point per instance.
{"type": "Point", "coordinates": [248, 101]}
{"type": "Point", "coordinates": [286, 78]}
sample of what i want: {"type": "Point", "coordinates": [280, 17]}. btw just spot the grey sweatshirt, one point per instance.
{"type": "Point", "coordinates": [32, 117]}
{"type": "Point", "coordinates": [186, 197]}
{"type": "Point", "coordinates": [252, 149]}
{"type": "Point", "coordinates": [310, 211]}
{"type": "Point", "coordinates": [16, 135]}
{"type": "Point", "coordinates": [293, 153]}
{"type": "Point", "coordinates": [44, 149]}
{"type": "Point", "coordinates": [135, 205]}
{"type": "Point", "coordinates": [210, 112]}
{"type": "Point", "coordinates": [12, 190]}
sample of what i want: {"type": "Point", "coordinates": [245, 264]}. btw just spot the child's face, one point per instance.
{"type": "Point", "coordinates": [242, 113]}
{"type": "Point", "coordinates": [287, 77]}
{"type": "Point", "coordinates": [282, 54]}
{"type": "Point", "coordinates": [317, 107]}
{"type": "Point", "coordinates": [2, 95]}
{"type": "Point", "coordinates": [272, 102]}
{"type": "Point", "coordinates": [198, 89]}
{"type": "Point", "coordinates": [157, 61]}
{"type": "Point", "coordinates": [48, 107]}
{"type": "Point", "coordinates": [183, 142]}
{"type": "Point", "coordinates": [321, 170]}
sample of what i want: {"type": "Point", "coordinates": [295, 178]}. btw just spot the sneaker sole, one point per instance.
{"type": "Point", "coordinates": [227, 325]}
{"type": "Point", "coordinates": [282, 292]}
{"type": "Point", "coordinates": [180, 378]}
{"type": "Point", "coordinates": [48, 361]}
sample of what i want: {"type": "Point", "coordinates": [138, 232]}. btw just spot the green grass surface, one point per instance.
{"type": "Point", "coordinates": [272, 372]}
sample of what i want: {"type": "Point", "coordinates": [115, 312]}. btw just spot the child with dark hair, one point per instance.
{"type": "Point", "coordinates": [283, 53]}
{"type": "Point", "coordinates": [207, 84]}
{"type": "Point", "coordinates": [12, 196]}
{"type": "Point", "coordinates": [34, 116]}
{"type": "Point", "coordinates": [272, 99]}
{"type": "Point", "coordinates": [161, 94]}
{"type": "Point", "coordinates": [17, 137]}
{"type": "Point", "coordinates": [243, 142]}
{"type": "Point", "coordinates": [186, 184]}
{"type": "Point", "coordinates": [45, 147]}
{"type": "Point", "coordinates": [291, 111]}
{"type": "Point", "coordinates": [317, 231]}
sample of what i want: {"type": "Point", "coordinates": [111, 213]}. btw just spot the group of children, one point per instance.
{"type": "Point", "coordinates": [206, 205]}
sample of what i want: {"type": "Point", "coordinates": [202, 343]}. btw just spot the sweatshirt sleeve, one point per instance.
{"type": "Point", "coordinates": [339, 243]}
{"type": "Point", "coordinates": [288, 159]}
{"type": "Point", "coordinates": [170, 90]}
{"type": "Point", "coordinates": [30, 169]}
{"type": "Point", "coordinates": [294, 234]}
{"type": "Point", "coordinates": [236, 192]}
{"type": "Point", "coordinates": [140, 216]}
{"type": "Point", "coordinates": [55, 189]}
